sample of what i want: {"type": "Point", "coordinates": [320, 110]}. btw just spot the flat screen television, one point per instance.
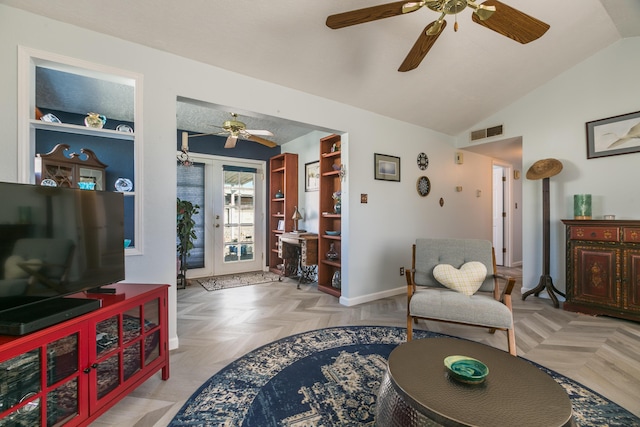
{"type": "Point", "coordinates": [55, 242]}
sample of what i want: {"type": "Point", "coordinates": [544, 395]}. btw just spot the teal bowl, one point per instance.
{"type": "Point", "coordinates": [466, 369]}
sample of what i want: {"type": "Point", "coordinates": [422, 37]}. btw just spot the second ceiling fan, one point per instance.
{"type": "Point", "coordinates": [235, 129]}
{"type": "Point", "coordinates": [491, 14]}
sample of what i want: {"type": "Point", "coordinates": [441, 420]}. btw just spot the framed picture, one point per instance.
{"type": "Point", "coordinates": [613, 136]}
{"type": "Point", "coordinates": [281, 225]}
{"type": "Point", "coordinates": [312, 176]}
{"type": "Point", "coordinates": [386, 168]}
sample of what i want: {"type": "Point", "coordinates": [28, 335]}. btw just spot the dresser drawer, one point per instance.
{"type": "Point", "coordinates": [603, 234]}
{"type": "Point", "coordinates": [631, 234]}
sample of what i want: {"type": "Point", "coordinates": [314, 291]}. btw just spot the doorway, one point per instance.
{"type": "Point", "coordinates": [230, 223]}
{"type": "Point", "coordinates": [501, 196]}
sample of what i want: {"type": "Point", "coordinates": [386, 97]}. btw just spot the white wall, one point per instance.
{"type": "Point", "coordinates": [376, 236]}
{"type": "Point", "coordinates": [551, 121]}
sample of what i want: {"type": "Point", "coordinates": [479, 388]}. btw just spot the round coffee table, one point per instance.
{"type": "Point", "coordinates": [417, 389]}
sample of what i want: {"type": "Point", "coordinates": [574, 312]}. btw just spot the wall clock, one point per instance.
{"type": "Point", "coordinates": [423, 186]}
{"type": "Point", "coordinates": [423, 161]}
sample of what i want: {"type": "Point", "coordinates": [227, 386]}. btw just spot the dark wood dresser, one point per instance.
{"type": "Point", "coordinates": [603, 267]}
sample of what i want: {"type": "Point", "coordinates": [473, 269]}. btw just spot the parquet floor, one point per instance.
{"type": "Point", "coordinates": [217, 327]}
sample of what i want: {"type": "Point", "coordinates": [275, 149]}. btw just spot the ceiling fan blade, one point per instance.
{"type": "Point", "coordinates": [262, 141]}
{"type": "Point", "coordinates": [231, 141]}
{"type": "Point", "coordinates": [258, 132]}
{"type": "Point", "coordinates": [201, 134]}
{"type": "Point", "coordinates": [512, 23]}
{"type": "Point", "coordinates": [421, 47]}
{"type": "Point", "coordinates": [367, 14]}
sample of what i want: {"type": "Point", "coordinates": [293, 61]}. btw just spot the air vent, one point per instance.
{"type": "Point", "coordinates": [478, 134]}
{"type": "Point", "coordinates": [486, 133]}
{"type": "Point", "coordinates": [494, 131]}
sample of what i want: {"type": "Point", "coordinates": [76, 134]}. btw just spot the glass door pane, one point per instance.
{"type": "Point", "coordinates": [239, 216]}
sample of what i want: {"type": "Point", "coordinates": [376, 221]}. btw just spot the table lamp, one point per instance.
{"type": "Point", "coordinates": [296, 217]}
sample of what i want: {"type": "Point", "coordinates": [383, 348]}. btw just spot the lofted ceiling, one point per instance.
{"type": "Point", "coordinates": [467, 76]}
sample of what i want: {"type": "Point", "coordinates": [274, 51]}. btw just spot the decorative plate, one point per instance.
{"type": "Point", "coordinates": [124, 128]}
{"type": "Point", "coordinates": [49, 183]}
{"type": "Point", "coordinates": [466, 369]}
{"type": "Point", "coordinates": [123, 185]}
{"type": "Point", "coordinates": [423, 186]}
{"type": "Point", "coordinates": [50, 118]}
{"type": "Point", "coordinates": [332, 233]}
{"type": "Point", "coordinates": [423, 161]}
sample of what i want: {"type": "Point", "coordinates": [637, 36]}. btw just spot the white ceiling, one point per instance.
{"type": "Point", "coordinates": [467, 76]}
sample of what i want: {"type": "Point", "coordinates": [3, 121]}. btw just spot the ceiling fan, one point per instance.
{"type": "Point", "coordinates": [235, 130]}
{"type": "Point", "coordinates": [491, 14]}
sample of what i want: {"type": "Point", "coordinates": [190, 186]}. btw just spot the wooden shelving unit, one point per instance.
{"type": "Point", "coordinates": [330, 182]}
{"type": "Point", "coordinates": [283, 177]}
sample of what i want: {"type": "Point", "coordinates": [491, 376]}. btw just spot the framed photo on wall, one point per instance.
{"type": "Point", "coordinates": [312, 176]}
{"type": "Point", "coordinates": [386, 168]}
{"type": "Point", "coordinates": [613, 136]}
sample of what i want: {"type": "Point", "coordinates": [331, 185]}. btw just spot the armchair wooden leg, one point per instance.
{"type": "Point", "coordinates": [511, 340]}
{"type": "Point", "coordinates": [409, 329]}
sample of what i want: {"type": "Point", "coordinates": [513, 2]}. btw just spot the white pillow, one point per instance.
{"type": "Point", "coordinates": [466, 280]}
{"type": "Point", "coordinates": [13, 271]}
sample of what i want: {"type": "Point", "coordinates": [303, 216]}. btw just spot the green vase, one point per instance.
{"type": "Point", "coordinates": [582, 206]}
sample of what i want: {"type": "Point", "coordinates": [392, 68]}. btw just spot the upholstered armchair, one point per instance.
{"type": "Point", "coordinates": [470, 294]}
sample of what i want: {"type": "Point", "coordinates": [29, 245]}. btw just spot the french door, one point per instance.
{"type": "Point", "coordinates": [230, 223]}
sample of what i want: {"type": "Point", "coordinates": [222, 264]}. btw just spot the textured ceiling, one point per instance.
{"type": "Point", "coordinates": [467, 76]}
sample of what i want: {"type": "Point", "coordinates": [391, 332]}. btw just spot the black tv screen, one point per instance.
{"type": "Point", "coordinates": [57, 241]}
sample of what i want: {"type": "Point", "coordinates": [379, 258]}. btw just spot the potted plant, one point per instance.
{"type": "Point", "coordinates": [186, 234]}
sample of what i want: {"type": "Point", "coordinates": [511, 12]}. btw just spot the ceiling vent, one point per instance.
{"type": "Point", "coordinates": [486, 133]}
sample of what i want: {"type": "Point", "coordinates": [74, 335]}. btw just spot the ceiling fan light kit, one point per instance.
{"type": "Point", "coordinates": [491, 14]}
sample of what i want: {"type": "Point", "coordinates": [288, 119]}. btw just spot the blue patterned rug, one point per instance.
{"type": "Point", "coordinates": [330, 377]}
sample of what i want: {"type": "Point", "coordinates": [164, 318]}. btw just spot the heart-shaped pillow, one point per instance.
{"type": "Point", "coordinates": [466, 280]}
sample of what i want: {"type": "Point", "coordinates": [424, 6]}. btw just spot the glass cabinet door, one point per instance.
{"type": "Point", "coordinates": [19, 383]}
{"type": "Point", "coordinates": [151, 322]}
{"type": "Point", "coordinates": [108, 370]}
{"type": "Point", "coordinates": [62, 375]}
{"type": "Point", "coordinates": [91, 179]}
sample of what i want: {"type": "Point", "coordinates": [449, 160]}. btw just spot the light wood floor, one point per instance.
{"type": "Point", "coordinates": [217, 327]}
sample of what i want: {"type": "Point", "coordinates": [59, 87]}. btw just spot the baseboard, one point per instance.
{"type": "Point", "coordinates": [372, 297]}
{"type": "Point", "coordinates": [173, 343]}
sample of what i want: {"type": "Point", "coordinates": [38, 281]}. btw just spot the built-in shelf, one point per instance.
{"type": "Point", "coordinates": [330, 220]}
{"type": "Point", "coordinates": [82, 130]}
{"type": "Point", "coordinates": [283, 178]}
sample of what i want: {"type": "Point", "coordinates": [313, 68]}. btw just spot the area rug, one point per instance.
{"type": "Point", "coordinates": [330, 377]}
{"type": "Point", "coordinates": [215, 283]}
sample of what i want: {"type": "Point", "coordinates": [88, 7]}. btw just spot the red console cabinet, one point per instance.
{"type": "Point", "coordinates": [72, 372]}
